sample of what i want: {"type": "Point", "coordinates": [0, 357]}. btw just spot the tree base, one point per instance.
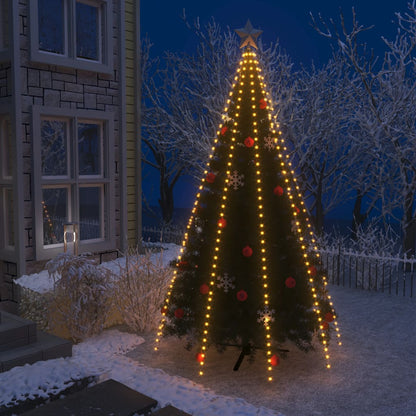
{"type": "Point", "coordinates": [246, 350]}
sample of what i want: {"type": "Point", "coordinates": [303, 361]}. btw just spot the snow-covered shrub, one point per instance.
{"type": "Point", "coordinates": [35, 307]}
{"type": "Point", "coordinates": [368, 261]}
{"type": "Point", "coordinates": [140, 289]}
{"type": "Point", "coordinates": [81, 294]}
{"type": "Point", "coordinates": [376, 241]}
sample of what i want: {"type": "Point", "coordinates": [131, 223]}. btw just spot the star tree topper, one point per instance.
{"type": "Point", "coordinates": [248, 35]}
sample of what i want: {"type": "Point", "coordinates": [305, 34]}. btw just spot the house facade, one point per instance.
{"type": "Point", "coordinates": [69, 135]}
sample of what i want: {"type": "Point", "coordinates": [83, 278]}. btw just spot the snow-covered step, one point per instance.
{"type": "Point", "coordinates": [46, 347]}
{"type": "Point", "coordinates": [104, 399]}
{"type": "Point", "coordinates": [21, 343]}
{"type": "Point", "coordinates": [15, 331]}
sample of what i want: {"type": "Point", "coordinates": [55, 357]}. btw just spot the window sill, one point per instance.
{"type": "Point", "coordinates": [83, 64]}
{"type": "Point", "coordinates": [48, 253]}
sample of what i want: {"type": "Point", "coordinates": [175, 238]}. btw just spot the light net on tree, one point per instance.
{"type": "Point", "coordinates": [249, 274]}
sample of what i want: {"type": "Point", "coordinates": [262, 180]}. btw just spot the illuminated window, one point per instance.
{"type": "Point", "coordinates": [73, 156]}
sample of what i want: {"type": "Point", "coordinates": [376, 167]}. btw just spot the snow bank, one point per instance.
{"type": "Point", "coordinates": [104, 356]}
{"type": "Point", "coordinates": [42, 283]}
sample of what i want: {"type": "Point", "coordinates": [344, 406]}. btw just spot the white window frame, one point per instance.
{"type": "Point", "coordinates": [6, 183]}
{"type": "Point", "coordinates": [104, 64]}
{"type": "Point", "coordinates": [74, 181]}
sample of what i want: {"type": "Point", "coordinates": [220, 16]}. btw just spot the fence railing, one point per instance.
{"type": "Point", "coordinates": [393, 275]}
{"type": "Point", "coordinates": [163, 235]}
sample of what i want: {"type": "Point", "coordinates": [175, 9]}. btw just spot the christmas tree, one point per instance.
{"type": "Point", "coordinates": [249, 274]}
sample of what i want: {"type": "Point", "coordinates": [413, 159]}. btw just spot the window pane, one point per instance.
{"type": "Point", "coordinates": [90, 208]}
{"type": "Point", "coordinates": [89, 148]}
{"type": "Point", "coordinates": [51, 26]}
{"type": "Point", "coordinates": [54, 148]}
{"type": "Point", "coordinates": [55, 214]}
{"type": "Point", "coordinates": [8, 163]}
{"type": "Point", "coordinates": [9, 217]}
{"type": "Point", "coordinates": [4, 24]}
{"type": "Point", "coordinates": [87, 21]}
{"type": "Point", "coordinates": [6, 158]}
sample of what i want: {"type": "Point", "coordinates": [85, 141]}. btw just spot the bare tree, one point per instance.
{"type": "Point", "coordinates": [390, 98]}
{"type": "Point", "coordinates": [184, 98]}
{"type": "Point", "coordinates": [317, 135]}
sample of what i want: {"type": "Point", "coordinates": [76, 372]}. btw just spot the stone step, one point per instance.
{"type": "Point", "coordinates": [15, 331]}
{"type": "Point", "coordinates": [46, 347]}
{"type": "Point", "coordinates": [109, 398]}
{"type": "Point", "coordinates": [170, 411]}
{"type": "Point", "coordinates": [10, 306]}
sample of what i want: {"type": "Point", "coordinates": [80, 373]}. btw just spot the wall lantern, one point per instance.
{"type": "Point", "coordinates": [71, 237]}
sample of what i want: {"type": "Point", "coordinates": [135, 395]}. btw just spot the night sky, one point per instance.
{"type": "Point", "coordinates": [288, 21]}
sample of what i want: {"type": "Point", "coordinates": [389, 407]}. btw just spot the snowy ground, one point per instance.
{"type": "Point", "coordinates": [373, 373]}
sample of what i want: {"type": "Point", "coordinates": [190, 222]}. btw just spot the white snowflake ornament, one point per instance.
{"type": "Point", "coordinates": [265, 316]}
{"type": "Point", "coordinates": [225, 282]}
{"type": "Point", "coordinates": [235, 180]}
{"type": "Point", "coordinates": [269, 143]}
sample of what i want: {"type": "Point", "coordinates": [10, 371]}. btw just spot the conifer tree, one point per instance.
{"type": "Point", "coordinates": [249, 274]}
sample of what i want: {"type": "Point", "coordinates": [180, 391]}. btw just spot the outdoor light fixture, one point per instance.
{"type": "Point", "coordinates": [71, 238]}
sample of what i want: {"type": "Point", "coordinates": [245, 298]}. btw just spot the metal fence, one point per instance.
{"type": "Point", "coordinates": [168, 234]}
{"type": "Point", "coordinates": [393, 275]}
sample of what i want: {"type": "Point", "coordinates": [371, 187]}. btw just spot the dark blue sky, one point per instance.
{"type": "Point", "coordinates": [287, 20]}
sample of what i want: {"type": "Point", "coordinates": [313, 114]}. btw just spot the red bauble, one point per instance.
{"type": "Point", "coordinates": [242, 295]}
{"type": "Point", "coordinates": [222, 223]}
{"type": "Point", "coordinates": [224, 130]}
{"type": "Point", "coordinates": [325, 325]}
{"type": "Point", "coordinates": [297, 209]}
{"type": "Point", "coordinates": [247, 251]}
{"type": "Point", "coordinates": [179, 313]}
{"type": "Point", "coordinates": [290, 282]}
{"type": "Point", "coordinates": [278, 191]}
{"type": "Point", "coordinates": [275, 360]}
{"type": "Point", "coordinates": [200, 357]}
{"type": "Point", "coordinates": [329, 317]}
{"type": "Point", "coordinates": [210, 178]}
{"type": "Point", "coordinates": [204, 289]}
{"type": "Point", "coordinates": [249, 142]}
{"type": "Point", "coordinates": [263, 103]}
{"type": "Point", "coordinates": [312, 270]}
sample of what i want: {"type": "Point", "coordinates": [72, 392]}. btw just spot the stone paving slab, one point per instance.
{"type": "Point", "coordinates": [109, 398]}
{"type": "Point", "coordinates": [170, 411]}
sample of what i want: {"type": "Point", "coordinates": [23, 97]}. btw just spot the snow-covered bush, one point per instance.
{"type": "Point", "coordinates": [370, 260]}
{"type": "Point", "coordinates": [81, 294]}
{"type": "Point", "coordinates": [35, 307]}
{"type": "Point", "coordinates": [140, 289]}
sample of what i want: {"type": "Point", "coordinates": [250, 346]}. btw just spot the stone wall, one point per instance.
{"type": "Point", "coordinates": [62, 87]}
{"type": "Point", "coordinates": [5, 82]}
{"type": "Point", "coordinates": [8, 290]}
